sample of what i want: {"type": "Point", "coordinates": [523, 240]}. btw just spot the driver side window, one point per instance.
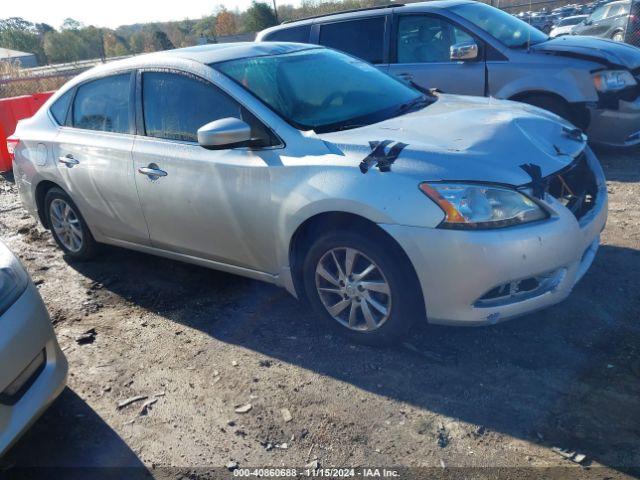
{"type": "Point", "coordinates": [176, 105]}
{"type": "Point", "coordinates": [426, 39]}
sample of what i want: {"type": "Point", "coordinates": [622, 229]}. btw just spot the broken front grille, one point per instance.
{"type": "Point", "coordinates": [575, 187]}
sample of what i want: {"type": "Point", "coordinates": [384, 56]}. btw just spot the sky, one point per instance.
{"type": "Point", "coordinates": [112, 13]}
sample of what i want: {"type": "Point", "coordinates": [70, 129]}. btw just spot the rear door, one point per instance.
{"type": "Point", "coordinates": [93, 151]}
{"type": "Point", "coordinates": [420, 52]}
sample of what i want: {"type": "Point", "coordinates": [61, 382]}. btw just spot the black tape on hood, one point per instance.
{"type": "Point", "coordinates": [538, 183]}
{"type": "Point", "coordinates": [379, 158]}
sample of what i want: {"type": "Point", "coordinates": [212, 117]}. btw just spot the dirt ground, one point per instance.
{"type": "Point", "coordinates": [202, 343]}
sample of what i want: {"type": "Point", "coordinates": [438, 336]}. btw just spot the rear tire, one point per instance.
{"type": "Point", "coordinates": [67, 226]}
{"type": "Point", "coordinates": [361, 308]}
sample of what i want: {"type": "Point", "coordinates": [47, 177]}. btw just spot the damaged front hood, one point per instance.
{"type": "Point", "coordinates": [606, 52]}
{"type": "Point", "coordinates": [467, 138]}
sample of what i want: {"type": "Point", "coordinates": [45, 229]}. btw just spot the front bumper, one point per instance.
{"type": "Point", "coordinates": [26, 333]}
{"type": "Point", "coordinates": [457, 268]}
{"type": "Point", "coordinates": [619, 128]}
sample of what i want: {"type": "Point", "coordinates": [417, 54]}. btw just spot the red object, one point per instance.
{"type": "Point", "coordinates": [11, 111]}
{"type": "Point", "coordinates": [12, 144]}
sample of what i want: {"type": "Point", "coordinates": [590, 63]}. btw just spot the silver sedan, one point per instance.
{"type": "Point", "coordinates": [33, 370]}
{"type": "Point", "coordinates": [307, 168]}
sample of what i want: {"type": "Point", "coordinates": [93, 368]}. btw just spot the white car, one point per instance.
{"type": "Point", "coordinates": [566, 25]}
{"type": "Point", "coordinates": [307, 168]}
{"type": "Point", "coordinates": [33, 369]}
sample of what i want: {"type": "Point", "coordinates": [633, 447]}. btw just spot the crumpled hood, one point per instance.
{"type": "Point", "coordinates": [467, 138]}
{"type": "Point", "coordinates": [607, 52]}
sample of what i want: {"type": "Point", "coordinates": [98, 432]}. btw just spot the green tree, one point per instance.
{"type": "Point", "coordinates": [19, 34]}
{"type": "Point", "coordinates": [71, 24]}
{"type": "Point", "coordinates": [205, 27]}
{"type": "Point", "coordinates": [115, 45]}
{"type": "Point", "coordinates": [158, 41]}
{"type": "Point", "coordinates": [64, 46]}
{"type": "Point", "coordinates": [136, 42]}
{"type": "Point", "coordinates": [258, 17]}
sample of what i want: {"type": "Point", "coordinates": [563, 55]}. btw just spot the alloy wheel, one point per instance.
{"type": "Point", "coordinates": [353, 289]}
{"type": "Point", "coordinates": [66, 225]}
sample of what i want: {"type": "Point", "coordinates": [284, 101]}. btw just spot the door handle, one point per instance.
{"type": "Point", "coordinates": [152, 171]}
{"type": "Point", "coordinates": [68, 160]}
{"type": "Point", "coordinates": [406, 76]}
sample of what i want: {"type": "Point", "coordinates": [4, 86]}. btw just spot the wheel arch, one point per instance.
{"type": "Point", "coordinates": [303, 236]}
{"type": "Point", "coordinates": [579, 113]}
{"type": "Point", "coordinates": [40, 193]}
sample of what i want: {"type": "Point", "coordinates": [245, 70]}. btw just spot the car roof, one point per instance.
{"type": "Point", "coordinates": [222, 52]}
{"type": "Point", "coordinates": [203, 54]}
{"type": "Point", "coordinates": [379, 10]}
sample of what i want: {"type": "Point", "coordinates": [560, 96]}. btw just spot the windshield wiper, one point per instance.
{"type": "Point", "coordinates": [415, 104]}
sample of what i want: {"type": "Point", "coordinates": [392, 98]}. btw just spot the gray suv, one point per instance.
{"type": "Point", "coordinates": [470, 48]}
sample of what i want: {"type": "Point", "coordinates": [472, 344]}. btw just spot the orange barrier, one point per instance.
{"type": "Point", "coordinates": [12, 110]}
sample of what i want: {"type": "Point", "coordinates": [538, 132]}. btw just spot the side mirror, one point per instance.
{"type": "Point", "coordinates": [464, 51]}
{"type": "Point", "coordinates": [224, 133]}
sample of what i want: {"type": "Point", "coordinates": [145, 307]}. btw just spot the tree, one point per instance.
{"type": "Point", "coordinates": [206, 27]}
{"type": "Point", "coordinates": [115, 45]}
{"type": "Point", "coordinates": [226, 23]}
{"type": "Point", "coordinates": [158, 40]}
{"type": "Point", "coordinates": [71, 24]}
{"type": "Point", "coordinates": [136, 42]}
{"type": "Point", "coordinates": [258, 17]}
{"type": "Point", "coordinates": [19, 34]}
{"type": "Point", "coordinates": [64, 46]}
{"type": "Point", "coordinates": [43, 28]}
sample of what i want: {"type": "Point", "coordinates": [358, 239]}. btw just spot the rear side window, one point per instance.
{"type": "Point", "coordinates": [363, 38]}
{"type": "Point", "coordinates": [176, 106]}
{"type": "Point", "coordinates": [60, 107]}
{"type": "Point", "coordinates": [103, 105]}
{"type": "Point", "coordinates": [293, 34]}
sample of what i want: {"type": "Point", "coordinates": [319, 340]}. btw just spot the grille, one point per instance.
{"type": "Point", "coordinates": [575, 187]}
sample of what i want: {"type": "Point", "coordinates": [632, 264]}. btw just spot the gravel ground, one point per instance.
{"type": "Point", "coordinates": [200, 344]}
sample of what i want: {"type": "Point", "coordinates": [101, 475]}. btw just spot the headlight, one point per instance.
{"type": "Point", "coordinates": [13, 278]}
{"type": "Point", "coordinates": [468, 206]}
{"type": "Point", "coordinates": [613, 80]}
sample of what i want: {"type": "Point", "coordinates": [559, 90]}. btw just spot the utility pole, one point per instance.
{"type": "Point", "coordinates": [275, 11]}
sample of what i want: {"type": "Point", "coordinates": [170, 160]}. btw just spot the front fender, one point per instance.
{"type": "Point", "coordinates": [574, 84]}
{"type": "Point", "coordinates": [388, 198]}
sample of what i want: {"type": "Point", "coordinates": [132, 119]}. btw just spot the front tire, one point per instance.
{"type": "Point", "coordinates": [363, 287]}
{"type": "Point", "coordinates": [67, 226]}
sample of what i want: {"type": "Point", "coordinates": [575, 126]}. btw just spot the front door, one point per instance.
{"type": "Point", "coordinates": [94, 156]}
{"type": "Point", "coordinates": [422, 46]}
{"type": "Point", "coordinates": [211, 204]}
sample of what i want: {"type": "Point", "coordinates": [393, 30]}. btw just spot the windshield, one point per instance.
{"type": "Point", "coordinates": [509, 30]}
{"type": "Point", "coordinates": [323, 90]}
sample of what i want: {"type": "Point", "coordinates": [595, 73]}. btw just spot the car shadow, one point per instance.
{"type": "Point", "coordinates": [71, 441]}
{"type": "Point", "coordinates": [564, 377]}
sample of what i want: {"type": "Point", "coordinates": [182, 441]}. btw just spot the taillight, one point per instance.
{"type": "Point", "coordinates": [12, 144]}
